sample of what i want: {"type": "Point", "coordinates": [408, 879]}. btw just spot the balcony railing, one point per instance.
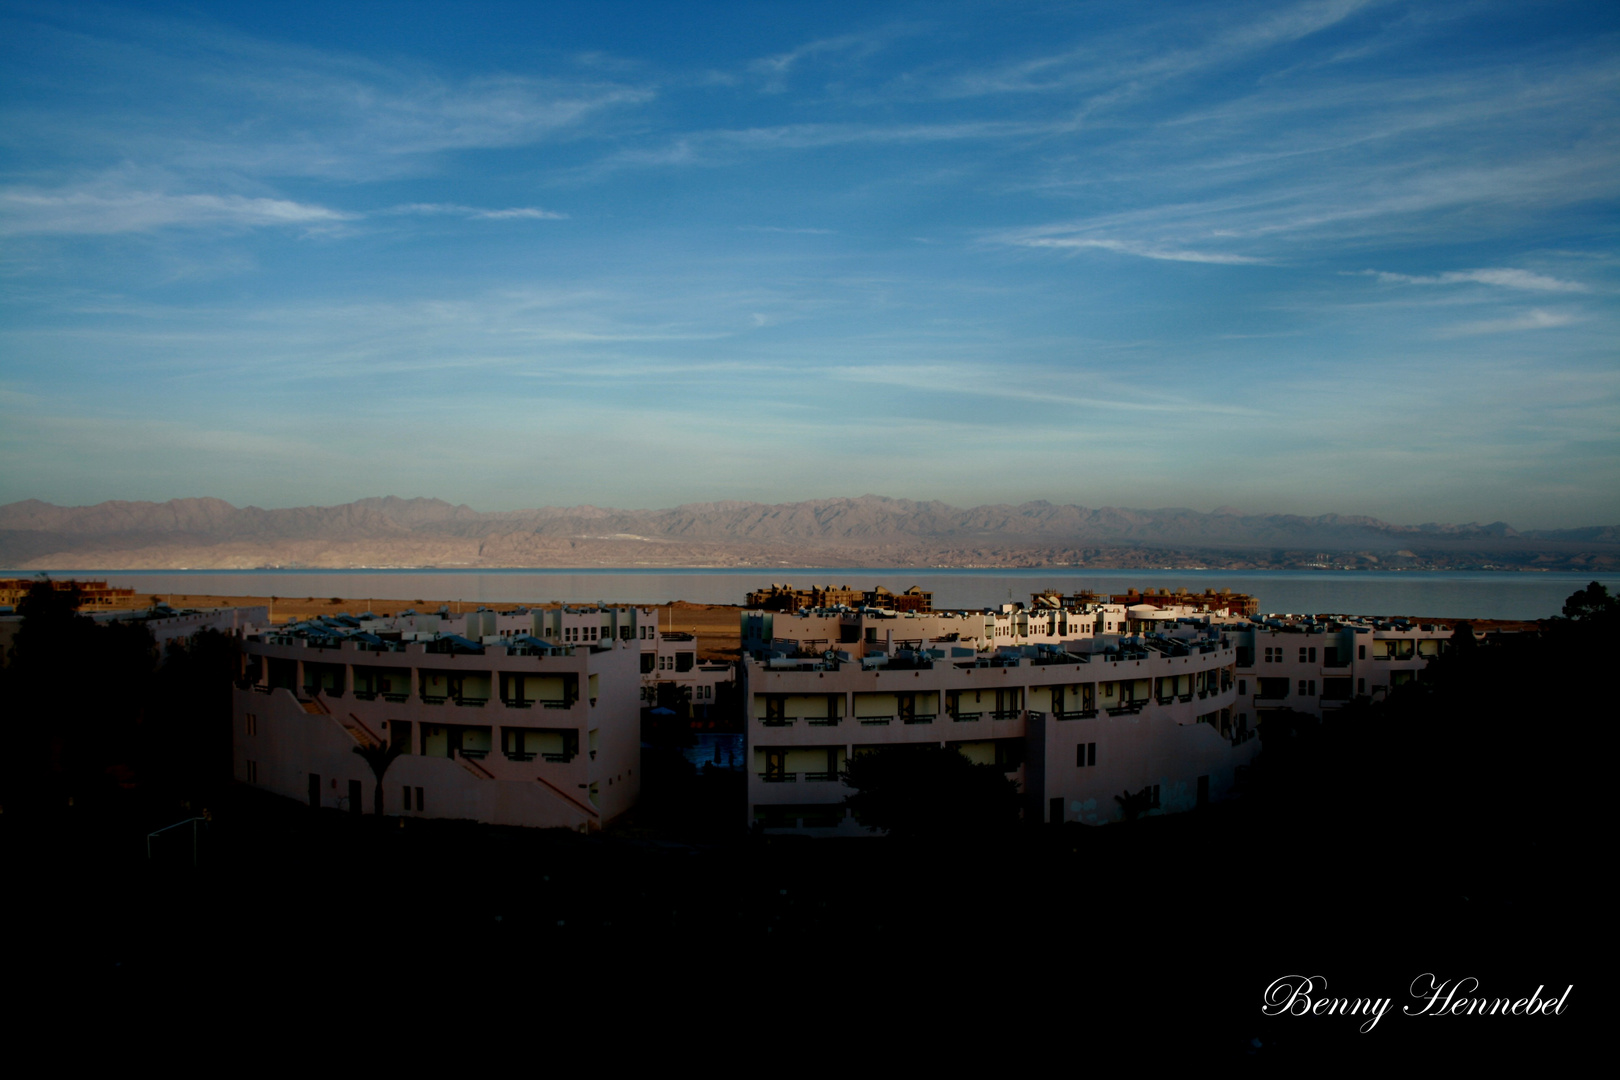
{"type": "Point", "coordinates": [1126, 708]}
{"type": "Point", "coordinates": [567, 704]}
{"type": "Point", "coordinates": [517, 703]}
{"type": "Point", "coordinates": [965, 717]}
{"type": "Point", "coordinates": [397, 699]}
{"type": "Point", "coordinates": [1184, 698]}
{"type": "Point", "coordinates": [875, 721]}
{"type": "Point", "coordinates": [519, 755]}
{"type": "Point", "coordinates": [1006, 714]}
{"type": "Point", "coordinates": [920, 718]}
{"type": "Point", "coordinates": [819, 777]}
{"type": "Point", "coordinates": [777, 721]}
{"type": "Point", "coordinates": [1167, 699]}
{"type": "Point", "coordinates": [1081, 714]}
{"type": "Point", "coordinates": [476, 755]}
{"type": "Point", "coordinates": [779, 777]}
{"type": "Point", "coordinates": [473, 702]}
{"type": "Point", "coordinates": [822, 721]}
{"type": "Point", "coordinates": [557, 758]}
{"type": "Point", "coordinates": [435, 699]}
{"type": "Point", "coordinates": [365, 695]}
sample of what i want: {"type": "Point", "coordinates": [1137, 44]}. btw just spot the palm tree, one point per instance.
{"type": "Point", "coordinates": [379, 757]}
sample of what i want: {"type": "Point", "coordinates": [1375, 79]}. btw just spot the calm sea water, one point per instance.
{"type": "Point", "coordinates": [1504, 595]}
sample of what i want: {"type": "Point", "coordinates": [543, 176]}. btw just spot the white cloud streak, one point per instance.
{"type": "Point", "coordinates": [1534, 319]}
{"type": "Point", "coordinates": [1141, 250]}
{"type": "Point", "coordinates": [1505, 277]}
{"type": "Point", "coordinates": [25, 211]}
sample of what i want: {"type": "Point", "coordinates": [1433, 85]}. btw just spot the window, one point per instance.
{"type": "Point", "coordinates": [1243, 686]}
{"type": "Point", "coordinates": [407, 796]}
{"type": "Point", "coordinates": [1085, 754]}
{"type": "Point", "coordinates": [1271, 689]}
{"type": "Point", "coordinates": [420, 805]}
{"type": "Point", "coordinates": [1361, 686]}
{"type": "Point", "coordinates": [1307, 688]}
{"type": "Point", "coordinates": [1361, 652]}
{"type": "Point", "coordinates": [1307, 656]}
{"type": "Point", "coordinates": [253, 772]}
{"type": "Point", "coordinates": [252, 724]}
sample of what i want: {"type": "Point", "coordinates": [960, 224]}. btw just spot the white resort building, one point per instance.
{"type": "Point", "coordinates": [532, 717]}
{"type": "Point", "coordinates": [1078, 704]}
{"type": "Point", "coordinates": [517, 717]}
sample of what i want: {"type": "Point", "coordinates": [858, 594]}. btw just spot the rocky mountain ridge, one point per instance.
{"type": "Point", "coordinates": [868, 530]}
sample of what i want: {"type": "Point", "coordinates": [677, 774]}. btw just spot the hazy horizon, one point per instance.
{"type": "Point", "coordinates": [1223, 509]}
{"type": "Point", "coordinates": [1328, 257]}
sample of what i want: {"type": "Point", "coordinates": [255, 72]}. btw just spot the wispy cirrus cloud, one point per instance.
{"type": "Point", "coordinates": [1534, 319]}
{"type": "Point", "coordinates": [532, 213]}
{"type": "Point", "coordinates": [30, 211]}
{"type": "Point", "coordinates": [216, 102]}
{"type": "Point", "coordinates": [1137, 248]}
{"type": "Point", "coordinates": [1125, 65]}
{"type": "Point", "coordinates": [107, 208]}
{"type": "Point", "coordinates": [1506, 277]}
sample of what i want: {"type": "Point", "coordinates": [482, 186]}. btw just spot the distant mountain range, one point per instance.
{"type": "Point", "coordinates": [867, 531]}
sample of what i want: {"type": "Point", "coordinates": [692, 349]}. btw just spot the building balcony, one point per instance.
{"type": "Point", "coordinates": [517, 703]}
{"type": "Point", "coordinates": [920, 718]}
{"type": "Point", "coordinates": [822, 721]}
{"type": "Point", "coordinates": [1127, 708]}
{"type": "Point", "coordinates": [777, 721]}
{"type": "Point", "coordinates": [875, 721]}
{"type": "Point", "coordinates": [1006, 714]}
{"type": "Point", "coordinates": [1081, 714]}
{"type": "Point", "coordinates": [966, 717]}
{"type": "Point", "coordinates": [1184, 698]}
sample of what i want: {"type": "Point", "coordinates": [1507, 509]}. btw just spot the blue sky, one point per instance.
{"type": "Point", "coordinates": [1306, 257]}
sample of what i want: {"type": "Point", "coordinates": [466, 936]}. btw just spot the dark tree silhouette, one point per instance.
{"type": "Point", "coordinates": [1592, 604]}
{"type": "Point", "coordinates": [380, 758]}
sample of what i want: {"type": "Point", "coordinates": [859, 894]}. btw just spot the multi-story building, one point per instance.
{"type": "Point", "coordinates": [538, 728]}
{"type": "Point", "coordinates": [787, 598]}
{"type": "Point", "coordinates": [1069, 703]}
{"type": "Point", "coordinates": [1317, 663]}
{"type": "Point", "coordinates": [166, 624]}
{"type": "Point", "coordinates": [92, 594]}
{"type": "Point", "coordinates": [522, 717]}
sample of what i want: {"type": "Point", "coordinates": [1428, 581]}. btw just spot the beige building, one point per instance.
{"type": "Point", "coordinates": [1078, 706]}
